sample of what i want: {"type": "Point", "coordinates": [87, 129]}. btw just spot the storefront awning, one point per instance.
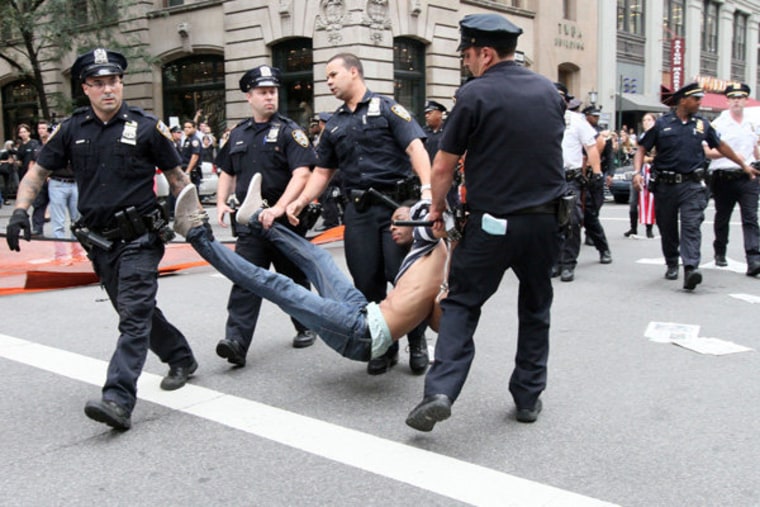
{"type": "Point", "coordinates": [716, 102]}
{"type": "Point", "coordinates": [638, 102]}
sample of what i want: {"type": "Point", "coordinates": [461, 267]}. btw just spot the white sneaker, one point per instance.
{"type": "Point", "coordinates": [252, 201]}
{"type": "Point", "coordinates": [188, 212]}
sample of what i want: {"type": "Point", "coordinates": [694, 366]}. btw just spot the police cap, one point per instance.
{"type": "Point", "coordinates": [592, 110]}
{"type": "Point", "coordinates": [175, 129]}
{"type": "Point", "coordinates": [737, 90]}
{"type": "Point", "coordinates": [562, 89]}
{"type": "Point", "coordinates": [432, 105]}
{"type": "Point", "coordinates": [263, 75]}
{"type": "Point", "coordinates": [486, 30]}
{"type": "Point", "coordinates": [573, 104]}
{"type": "Point", "coordinates": [690, 90]}
{"type": "Point", "coordinates": [99, 62]}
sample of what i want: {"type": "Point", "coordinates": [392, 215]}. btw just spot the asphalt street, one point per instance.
{"type": "Point", "coordinates": [626, 421]}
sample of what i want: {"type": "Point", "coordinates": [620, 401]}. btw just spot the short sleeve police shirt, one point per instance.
{"type": "Point", "coordinates": [369, 144]}
{"type": "Point", "coordinates": [190, 146]}
{"type": "Point", "coordinates": [275, 149]}
{"type": "Point", "coordinates": [114, 163]}
{"type": "Point", "coordinates": [741, 137]}
{"type": "Point", "coordinates": [578, 134]}
{"type": "Point", "coordinates": [678, 143]}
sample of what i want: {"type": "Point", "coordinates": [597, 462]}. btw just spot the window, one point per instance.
{"type": "Point", "coordinates": [568, 10]}
{"type": "Point", "coordinates": [295, 59]}
{"type": "Point", "coordinates": [674, 18]}
{"type": "Point", "coordinates": [739, 42]}
{"type": "Point", "coordinates": [19, 106]}
{"type": "Point", "coordinates": [193, 83]}
{"type": "Point", "coordinates": [630, 16]}
{"type": "Point", "coordinates": [710, 27]}
{"type": "Point", "coordinates": [409, 74]}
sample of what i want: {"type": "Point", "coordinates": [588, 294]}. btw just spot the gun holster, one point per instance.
{"type": "Point", "coordinates": [565, 210]}
{"type": "Point", "coordinates": [89, 239]}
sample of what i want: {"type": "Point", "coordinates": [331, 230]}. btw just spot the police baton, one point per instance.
{"type": "Point", "coordinates": [413, 223]}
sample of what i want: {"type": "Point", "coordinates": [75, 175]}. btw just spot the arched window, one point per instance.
{"type": "Point", "coordinates": [295, 59]}
{"type": "Point", "coordinates": [193, 83]}
{"type": "Point", "coordinates": [19, 106]}
{"type": "Point", "coordinates": [409, 74]}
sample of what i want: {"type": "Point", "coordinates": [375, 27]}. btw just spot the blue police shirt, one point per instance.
{"type": "Point", "coordinates": [114, 163]}
{"type": "Point", "coordinates": [275, 149]}
{"type": "Point", "coordinates": [369, 144]}
{"type": "Point", "coordinates": [190, 146]}
{"type": "Point", "coordinates": [679, 144]}
{"type": "Point", "coordinates": [510, 121]}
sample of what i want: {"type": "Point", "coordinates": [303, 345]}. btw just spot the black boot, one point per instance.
{"type": "Point", "coordinates": [633, 230]}
{"type": "Point", "coordinates": [650, 231]}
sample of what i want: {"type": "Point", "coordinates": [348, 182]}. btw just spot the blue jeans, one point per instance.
{"type": "Point", "coordinates": [63, 197]}
{"type": "Point", "coordinates": [337, 314]}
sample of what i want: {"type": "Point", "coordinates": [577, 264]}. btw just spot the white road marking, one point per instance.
{"type": "Point", "coordinates": [735, 266]}
{"type": "Point", "coordinates": [442, 475]}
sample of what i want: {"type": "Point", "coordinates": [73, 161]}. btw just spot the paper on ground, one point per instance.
{"type": "Point", "coordinates": [712, 346]}
{"type": "Point", "coordinates": [666, 332]}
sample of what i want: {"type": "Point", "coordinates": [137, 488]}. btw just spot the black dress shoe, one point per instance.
{"type": "Point", "coordinates": [605, 257]}
{"type": "Point", "coordinates": [568, 275]}
{"type": "Point", "coordinates": [691, 278]}
{"type": "Point", "coordinates": [108, 412]}
{"type": "Point", "coordinates": [304, 339]}
{"type": "Point", "coordinates": [629, 232]}
{"type": "Point", "coordinates": [556, 270]}
{"type": "Point", "coordinates": [671, 273]}
{"type": "Point", "coordinates": [753, 268]}
{"type": "Point", "coordinates": [232, 351]}
{"type": "Point", "coordinates": [178, 375]}
{"type": "Point", "coordinates": [720, 261]}
{"type": "Point", "coordinates": [431, 410]}
{"type": "Point", "coordinates": [418, 355]}
{"type": "Point", "coordinates": [529, 415]}
{"type": "Point", "coordinates": [382, 364]}
{"type": "Point", "coordinates": [589, 241]}
{"type": "Point", "coordinates": [650, 232]}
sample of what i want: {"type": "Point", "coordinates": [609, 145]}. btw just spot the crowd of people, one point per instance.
{"type": "Point", "coordinates": [401, 195]}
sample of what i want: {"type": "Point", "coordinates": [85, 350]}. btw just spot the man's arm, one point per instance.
{"type": "Point", "coordinates": [295, 186]}
{"type": "Point", "coordinates": [420, 160]}
{"type": "Point", "coordinates": [317, 183]}
{"type": "Point", "coordinates": [442, 174]}
{"type": "Point", "coordinates": [638, 162]}
{"type": "Point", "coordinates": [729, 153]}
{"type": "Point", "coordinates": [224, 188]}
{"type": "Point", "coordinates": [191, 165]}
{"type": "Point", "coordinates": [30, 186]}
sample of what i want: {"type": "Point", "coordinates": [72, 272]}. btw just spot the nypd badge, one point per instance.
{"type": "Point", "coordinates": [401, 112]}
{"type": "Point", "coordinates": [301, 138]}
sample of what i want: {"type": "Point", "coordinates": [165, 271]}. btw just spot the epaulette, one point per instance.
{"type": "Point", "coordinates": [141, 112]}
{"type": "Point", "coordinates": [80, 110]}
{"type": "Point", "coordinates": [242, 123]}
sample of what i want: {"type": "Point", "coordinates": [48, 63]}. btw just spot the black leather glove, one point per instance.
{"type": "Point", "coordinates": [19, 220]}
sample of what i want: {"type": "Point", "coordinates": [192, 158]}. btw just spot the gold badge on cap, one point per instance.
{"type": "Point", "coordinates": [301, 138]}
{"type": "Point", "coordinates": [101, 56]}
{"type": "Point", "coordinates": [401, 112]}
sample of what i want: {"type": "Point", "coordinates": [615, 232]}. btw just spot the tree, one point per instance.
{"type": "Point", "coordinates": [36, 31]}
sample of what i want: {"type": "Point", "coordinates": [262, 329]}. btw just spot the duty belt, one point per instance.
{"type": "Point", "coordinates": [673, 178]}
{"type": "Point", "coordinates": [62, 179]}
{"type": "Point", "coordinates": [571, 174]}
{"type": "Point", "coordinates": [728, 175]}
{"type": "Point", "coordinates": [548, 208]}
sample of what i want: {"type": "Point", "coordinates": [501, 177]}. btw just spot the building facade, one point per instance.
{"type": "Point", "coordinates": [200, 48]}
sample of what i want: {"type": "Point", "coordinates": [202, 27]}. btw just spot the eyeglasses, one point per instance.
{"type": "Point", "coordinates": [99, 84]}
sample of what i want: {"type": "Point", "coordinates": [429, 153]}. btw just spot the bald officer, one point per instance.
{"type": "Point", "coordinates": [510, 122]}
{"type": "Point", "coordinates": [679, 187]}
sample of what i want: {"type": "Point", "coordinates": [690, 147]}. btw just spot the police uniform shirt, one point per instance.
{"type": "Point", "coordinates": [510, 120]}
{"type": "Point", "coordinates": [190, 146]}
{"type": "Point", "coordinates": [578, 134]}
{"type": "Point", "coordinates": [741, 137]}
{"type": "Point", "coordinates": [433, 140]}
{"type": "Point", "coordinates": [114, 163]}
{"type": "Point", "coordinates": [369, 144]}
{"type": "Point", "coordinates": [274, 149]}
{"type": "Point", "coordinates": [27, 153]}
{"type": "Point", "coordinates": [679, 144]}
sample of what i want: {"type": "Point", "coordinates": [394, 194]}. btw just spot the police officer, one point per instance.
{"type": "Point", "coordinates": [434, 112]}
{"type": "Point", "coordinates": [594, 191]}
{"type": "Point", "coordinates": [580, 137]}
{"type": "Point", "coordinates": [113, 150]}
{"type": "Point", "coordinates": [275, 146]}
{"type": "Point", "coordinates": [191, 153]}
{"type": "Point", "coordinates": [510, 122]}
{"type": "Point", "coordinates": [376, 143]}
{"type": "Point", "coordinates": [730, 184]}
{"type": "Point", "coordinates": [679, 186]}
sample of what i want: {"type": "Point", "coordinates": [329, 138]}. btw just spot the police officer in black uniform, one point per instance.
{"type": "Point", "coordinates": [275, 146]}
{"type": "Point", "coordinates": [191, 153]}
{"type": "Point", "coordinates": [679, 185]}
{"type": "Point", "coordinates": [376, 144]}
{"type": "Point", "coordinates": [594, 191]}
{"type": "Point", "coordinates": [434, 123]}
{"type": "Point", "coordinates": [510, 122]}
{"type": "Point", "coordinates": [113, 150]}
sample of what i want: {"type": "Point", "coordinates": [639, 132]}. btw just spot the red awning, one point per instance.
{"type": "Point", "coordinates": [717, 102]}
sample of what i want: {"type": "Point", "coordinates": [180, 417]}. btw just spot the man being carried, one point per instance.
{"type": "Point", "coordinates": [340, 314]}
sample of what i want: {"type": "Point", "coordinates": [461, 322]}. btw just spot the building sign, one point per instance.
{"type": "Point", "coordinates": [568, 36]}
{"type": "Point", "coordinates": [712, 84]}
{"type": "Point", "coordinates": [677, 51]}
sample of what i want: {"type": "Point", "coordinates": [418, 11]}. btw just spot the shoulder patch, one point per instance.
{"type": "Point", "coordinates": [54, 132]}
{"type": "Point", "coordinates": [301, 138]}
{"type": "Point", "coordinates": [401, 112]}
{"type": "Point", "coordinates": [195, 142]}
{"type": "Point", "coordinates": [164, 130]}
